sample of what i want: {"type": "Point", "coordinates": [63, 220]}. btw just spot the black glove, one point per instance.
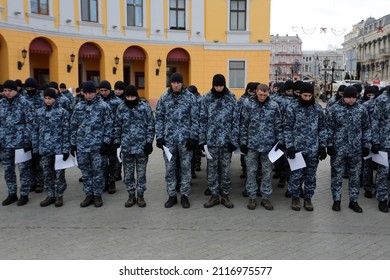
{"type": "Point", "coordinates": [160, 143]}
{"type": "Point", "coordinates": [73, 150]}
{"type": "Point", "coordinates": [201, 146]}
{"type": "Point", "coordinates": [322, 153]}
{"type": "Point", "coordinates": [105, 149]}
{"type": "Point", "coordinates": [331, 151]}
{"type": "Point", "coordinates": [375, 148]}
{"type": "Point", "coordinates": [114, 147]}
{"type": "Point", "coordinates": [148, 149]}
{"type": "Point", "coordinates": [191, 144]}
{"type": "Point", "coordinates": [35, 156]}
{"type": "Point", "coordinates": [244, 149]}
{"type": "Point", "coordinates": [280, 146]}
{"type": "Point", "coordinates": [365, 152]}
{"type": "Point", "coordinates": [65, 156]}
{"type": "Point", "coordinates": [27, 147]}
{"type": "Point", "coordinates": [291, 152]}
{"type": "Point", "coordinates": [231, 147]}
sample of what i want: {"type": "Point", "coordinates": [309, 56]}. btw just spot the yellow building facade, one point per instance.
{"type": "Point", "coordinates": [140, 42]}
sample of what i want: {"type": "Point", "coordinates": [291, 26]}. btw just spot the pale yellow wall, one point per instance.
{"type": "Point", "coordinates": [215, 20]}
{"type": "Point", "coordinates": [259, 20]}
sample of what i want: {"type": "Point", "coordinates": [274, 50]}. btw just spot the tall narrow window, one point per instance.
{"type": "Point", "coordinates": [238, 15]}
{"type": "Point", "coordinates": [236, 74]}
{"type": "Point", "coordinates": [89, 10]}
{"type": "Point", "coordinates": [40, 7]}
{"type": "Point", "coordinates": [135, 13]}
{"type": "Point", "coordinates": [177, 14]}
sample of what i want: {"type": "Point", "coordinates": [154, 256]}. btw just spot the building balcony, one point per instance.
{"type": "Point", "coordinates": [369, 56]}
{"type": "Point", "coordinates": [384, 52]}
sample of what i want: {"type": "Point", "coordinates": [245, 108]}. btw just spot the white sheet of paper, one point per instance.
{"type": "Point", "coordinates": [60, 164]}
{"type": "Point", "coordinates": [206, 150]}
{"type": "Point", "coordinates": [297, 163]}
{"type": "Point", "coordinates": [238, 152]}
{"type": "Point", "coordinates": [381, 158]}
{"type": "Point", "coordinates": [21, 156]}
{"type": "Point", "coordinates": [167, 153]}
{"type": "Point", "coordinates": [274, 155]}
{"type": "Point", "coordinates": [118, 153]}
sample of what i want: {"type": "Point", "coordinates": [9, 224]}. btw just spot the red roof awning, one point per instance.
{"type": "Point", "coordinates": [178, 55]}
{"type": "Point", "coordinates": [89, 50]}
{"type": "Point", "coordinates": [40, 46]}
{"type": "Point", "coordinates": [134, 53]}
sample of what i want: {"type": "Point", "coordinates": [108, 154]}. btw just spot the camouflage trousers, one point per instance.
{"type": "Point", "coordinates": [171, 167]}
{"type": "Point", "coordinates": [304, 176]}
{"type": "Point", "coordinates": [218, 171]}
{"type": "Point", "coordinates": [54, 180]}
{"type": "Point", "coordinates": [8, 161]}
{"type": "Point", "coordinates": [36, 171]}
{"type": "Point", "coordinates": [338, 164]}
{"type": "Point", "coordinates": [255, 160]}
{"type": "Point", "coordinates": [112, 168]}
{"type": "Point", "coordinates": [368, 174]}
{"type": "Point", "coordinates": [131, 164]}
{"type": "Point", "coordinates": [92, 166]}
{"type": "Point", "coordinates": [381, 181]}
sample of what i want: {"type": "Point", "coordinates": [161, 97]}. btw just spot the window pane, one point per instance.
{"type": "Point", "coordinates": [34, 6]}
{"type": "Point", "coordinates": [44, 7]}
{"type": "Point", "coordinates": [172, 3]}
{"type": "Point", "coordinates": [181, 4]}
{"type": "Point", "coordinates": [241, 21]}
{"type": "Point", "coordinates": [138, 16]}
{"type": "Point", "coordinates": [138, 2]}
{"type": "Point", "coordinates": [233, 21]}
{"type": "Point", "coordinates": [93, 10]}
{"type": "Point", "coordinates": [241, 5]}
{"type": "Point", "coordinates": [84, 10]}
{"type": "Point", "coordinates": [130, 2]}
{"type": "Point", "coordinates": [172, 19]}
{"type": "Point", "coordinates": [130, 15]}
{"type": "Point", "coordinates": [181, 20]}
{"type": "Point", "coordinates": [233, 5]}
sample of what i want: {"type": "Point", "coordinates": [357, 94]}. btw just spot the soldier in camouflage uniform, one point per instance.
{"type": "Point", "coordinates": [63, 101]}
{"type": "Point", "coordinates": [260, 129]}
{"type": "Point", "coordinates": [119, 89]}
{"type": "Point", "coordinates": [197, 154]}
{"type": "Point", "coordinates": [112, 166]}
{"type": "Point", "coordinates": [177, 128]}
{"type": "Point", "coordinates": [381, 141]}
{"type": "Point", "coordinates": [51, 138]}
{"type": "Point", "coordinates": [16, 124]}
{"type": "Point", "coordinates": [305, 131]}
{"type": "Point", "coordinates": [349, 138]}
{"type": "Point", "coordinates": [134, 131]}
{"type": "Point", "coordinates": [91, 130]}
{"type": "Point", "coordinates": [244, 100]}
{"type": "Point", "coordinates": [65, 92]}
{"type": "Point", "coordinates": [36, 98]}
{"type": "Point", "coordinates": [368, 101]}
{"type": "Point", "coordinates": [219, 127]}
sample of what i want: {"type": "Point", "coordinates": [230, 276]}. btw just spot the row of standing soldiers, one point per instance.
{"type": "Point", "coordinates": [96, 127]}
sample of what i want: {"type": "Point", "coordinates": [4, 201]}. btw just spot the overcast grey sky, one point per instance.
{"type": "Point", "coordinates": [310, 18]}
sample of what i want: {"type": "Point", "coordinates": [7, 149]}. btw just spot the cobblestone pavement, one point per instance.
{"type": "Point", "coordinates": [116, 232]}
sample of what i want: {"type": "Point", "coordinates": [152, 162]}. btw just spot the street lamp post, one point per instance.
{"type": "Point", "coordinates": [325, 63]}
{"type": "Point", "coordinates": [331, 85]}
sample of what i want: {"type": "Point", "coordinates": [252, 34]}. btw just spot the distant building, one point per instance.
{"type": "Point", "coordinates": [286, 58]}
{"type": "Point", "coordinates": [367, 50]}
{"type": "Point", "coordinates": [313, 65]}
